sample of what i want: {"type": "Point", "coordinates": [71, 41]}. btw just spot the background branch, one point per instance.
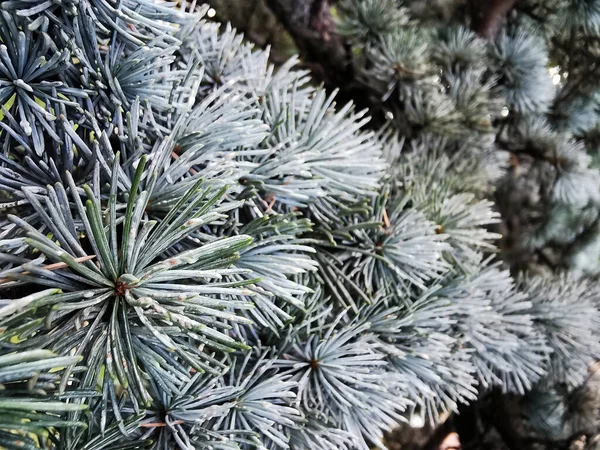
{"type": "Point", "coordinates": [310, 24]}
{"type": "Point", "coordinates": [487, 16]}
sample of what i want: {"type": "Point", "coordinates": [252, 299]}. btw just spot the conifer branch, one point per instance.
{"type": "Point", "coordinates": [310, 23]}
{"type": "Point", "coordinates": [487, 16]}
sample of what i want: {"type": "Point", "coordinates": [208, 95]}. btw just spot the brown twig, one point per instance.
{"type": "Point", "coordinates": [386, 219]}
{"type": "Point", "coordinates": [269, 201]}
{"type": "Point", "coordinates": [311, 25]}
{"type": "Point", "coordinates": [53, 266]}
{"type": "Point", "coordinates": [488, 15]}
{"type": "Point", "coordinates": [62, 265]}
{"type": "Point", "coordinates": [175, 155]}
{"type": "Point", "coordinates": [439, 435]}
{"type": "Point", "coordinates": [159, 424]}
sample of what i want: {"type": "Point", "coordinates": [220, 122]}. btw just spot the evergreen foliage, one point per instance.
{"type": "Point", "coordinates": [513, 117]}
{"type": "Point", "coordinates": [529, 95]}
{"type": "Point", "coordinates": [216, 255]}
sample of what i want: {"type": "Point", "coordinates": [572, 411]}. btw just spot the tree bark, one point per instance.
{"type": "Point", "coordinates": [488, 15]}
{"type": "Point", "coordinates": [310, 24]}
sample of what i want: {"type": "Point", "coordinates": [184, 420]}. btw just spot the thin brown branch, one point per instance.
{"type": "Point", "coordinates": [386, 220]}
{"type": "Point", "coordinates": [439, 435]}
{"type": "Point", "coordinates": [311, 25]}
{"type": "Point", "coordinates": [53, 266]}
{"type": "Point", "coordinates": [159, 424]}
{"type": "Point", "coordinates": [488, 15]}
{"type": "Point", "coordinates": [62, 265]}
{"type": "Point", "coordinates": [175, 155]}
